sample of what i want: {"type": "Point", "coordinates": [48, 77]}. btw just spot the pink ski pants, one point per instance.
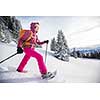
{"type": "Point", "coordinates": [30, 52]}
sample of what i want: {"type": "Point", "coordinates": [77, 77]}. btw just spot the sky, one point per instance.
{"type": "Point", "coordinates": [80, 31]}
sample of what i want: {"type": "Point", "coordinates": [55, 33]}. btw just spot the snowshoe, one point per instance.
{"type": "Point", "coordinates": [49, 75]}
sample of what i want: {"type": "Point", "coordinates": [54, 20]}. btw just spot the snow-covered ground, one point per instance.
{"type": "Point", "coordinates": [75, 71]}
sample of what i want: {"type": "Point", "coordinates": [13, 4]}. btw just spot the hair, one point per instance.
{"type": "Point", "coordinates": [34, 23]}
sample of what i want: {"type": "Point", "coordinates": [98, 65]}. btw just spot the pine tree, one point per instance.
{"type": "Point", "coordinates": [9, 29]}
{"type": "Point", "coordinates": [74, 52]}
{"type": "Point", "coordinates": [62, 50]}
{"type": "Point", "coordinates": [53, 45]}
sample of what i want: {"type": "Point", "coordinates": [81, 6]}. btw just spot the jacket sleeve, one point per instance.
{"type": "Point", "coordinates": [38, 41]}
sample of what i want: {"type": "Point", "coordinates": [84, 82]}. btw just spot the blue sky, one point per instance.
{"type": "Point", "coordinates": [80, 31]}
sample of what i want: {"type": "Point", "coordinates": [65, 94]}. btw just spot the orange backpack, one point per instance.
{"type": "Point", "coordinates": [22, 33]}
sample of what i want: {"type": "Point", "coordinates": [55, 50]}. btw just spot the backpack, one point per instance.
{"type": "Point", "coordinates": [24, 34]}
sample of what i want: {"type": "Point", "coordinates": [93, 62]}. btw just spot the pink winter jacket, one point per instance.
{"type": "Point", "coordinates": [29, 40]}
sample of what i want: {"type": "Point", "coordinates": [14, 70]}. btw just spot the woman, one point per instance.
{"type": "Point", "coordinates": [27, 43]}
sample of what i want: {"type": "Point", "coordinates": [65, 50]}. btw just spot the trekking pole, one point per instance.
{"type": "Point", "coordinates": [8, 58]}
{"type": "Point", "coordinates": [46, 52]}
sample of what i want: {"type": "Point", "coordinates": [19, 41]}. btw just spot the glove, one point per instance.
{"type": "Point", "coordinates": [19, 50]}
{"type": "Point", "coordinates": [46, 41]}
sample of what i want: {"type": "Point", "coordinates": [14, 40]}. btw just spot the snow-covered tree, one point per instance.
{"type": "Point", "coordinates": [9, 29]}
{"type": "Point", "coordinates": [53, 45]}
{"type": "Point", "coordinates": [61, 50]}
{"type": "Point", "coordinates": [74, 52]}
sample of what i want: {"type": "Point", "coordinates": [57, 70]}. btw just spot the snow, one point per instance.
{"type": "Point", "coordinates": [75, 71]}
